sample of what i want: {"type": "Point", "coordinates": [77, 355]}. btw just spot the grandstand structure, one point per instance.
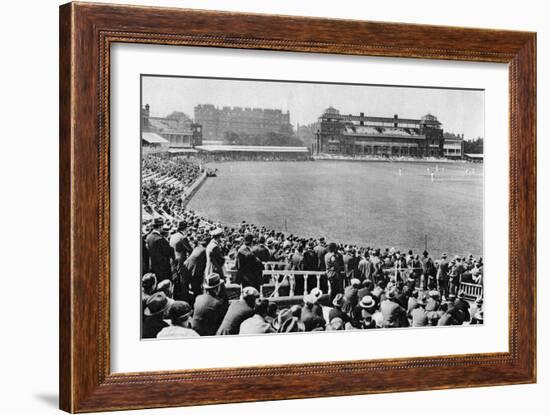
{"type": "Point", "coordinates": [177, 129]}
{"type": "Point", "coordinates": [379, 136]}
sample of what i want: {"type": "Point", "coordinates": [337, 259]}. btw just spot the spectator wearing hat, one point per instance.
{"type": "Point", "coordinates": [257, 324]}
{"type": "Point", "coordinates": [310, 257]}
{"type": "Point", "coordinates": [365, 315]}
{"type": "Point", "coordinates": [238, 312]}
{"type": "Point", "coordinates": [249, 267]}
{"type": "Point", "coordinates": [195, 266]}
{"type": "Point", "coordinates": [477, 308]}
{"type": "Point", "coordinates": [320, 251]}
{"type": "Point", "coordinates": [443, 276]}
{"type": "Point", "coordinates": [180, 314]}
{"type": "Point", "coordinates": [350, 262]}
{"type": "Point", "coordinates": [365, 268]}
{"type": "Point", "coordinates": [180, 244]}
{"type": "Point", "coordinates": [351, 297]}
{"type": "Point", "coordinates": [336, 310]}
{"type": "Point", "coordinates": [210, 307]}
{"type": "Point", "coordinates": [394, 315]}
{"type": "Point", "coordinates": [214, 256]}
{"type": "Point", "coordinates": [448, 317]}
{"type": "Point", "coordinates": [261, 251]}
{"type": "Point", "coordinates": [476, 274]}
{"type": "Point", "coordinates": [334, 268]}
{"type": "Point", "coordinates": [336, 324]}
{"type": "Point", "coordinates": [433, 301]}
{"type": "Point", "coordinates": [418, 314]}
{"type": "Point", "coordinates": [160, 252]}
{"type": "Point", "coordinates": [463, 308]}
{"type": "Point", "coordinates": [311, 314]}
{"type": "Point", "coordinates": [153, 321]}
{"type": "Point", "coordinates": [148, 288]}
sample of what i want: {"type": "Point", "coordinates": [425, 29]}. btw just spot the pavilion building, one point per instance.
{"type": "Point", "coordinates": [379, 136]}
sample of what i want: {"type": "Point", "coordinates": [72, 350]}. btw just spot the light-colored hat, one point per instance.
{"type": "Point", "coordinates": [212, 281]}
{"type": "Point", "coordinates": [367, 302]}
{"type": "Point", "coordinates": [433, 293]}
{"type": "Point", "coordinates": [250, 292]}
{"type": "Point", "coordinates": [216, 232]}
{"type": "Point", "coordinates": [310, 299]}
{"type": "Point", "coordinates": [355, 282]}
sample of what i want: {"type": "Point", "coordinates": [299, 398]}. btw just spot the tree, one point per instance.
{"type": "Point", "coordinates": [474, 146]}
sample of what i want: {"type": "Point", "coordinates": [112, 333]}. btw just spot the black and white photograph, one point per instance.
{"type": "Point", "coordinates": [282, 206]}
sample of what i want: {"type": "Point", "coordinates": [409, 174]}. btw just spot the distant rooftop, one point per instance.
{"type": "Point", "coordinates": [261, 149]}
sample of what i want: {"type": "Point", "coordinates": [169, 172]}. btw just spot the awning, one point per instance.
{"type": "Point", "coordinates": [153, 138]}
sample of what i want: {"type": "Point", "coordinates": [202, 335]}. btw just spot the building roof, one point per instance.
{"type": "Point", "coordinates": [182, 150]}
{"type": "Point", "coordinates": [382, 132]}
{"type": "Point", "coordinates": [474, 155]}
{"type": "Point", "coordinates": [261, 149]}
{"type": "Point", "coordinates": [153, 138]}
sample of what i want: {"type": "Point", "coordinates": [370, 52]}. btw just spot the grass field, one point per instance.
{"type": "Point", "coordinates": [380, 204]}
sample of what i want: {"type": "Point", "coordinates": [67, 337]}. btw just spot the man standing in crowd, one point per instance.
{"type": "Point", "coordinates": [160, 252]}
{"type": "Point", "coordinates": [350, 262]}
{"type": "Point", "coordinates": [443, 276]}
{"type": "Point", "coordinates": [210, 308]}
{"type": "Point", "coordinates": [321, 251]}
{"type": "Point", "coordinates": [365, 267]}
{"type": "Point", "coordinates": [310, 258]}
{"type": "Point", "coordinates": [214, 255]}
{"type": "Point", "coordinates": [180, 244]}
{"type": "Point", "coordinates": [195, 266]}
{"type": "Point", "coordinates": [333, 266]}
{"type": "Point", "coordinates": [249, 267]}
{"type": "Point", "coordinates": [261, 251]}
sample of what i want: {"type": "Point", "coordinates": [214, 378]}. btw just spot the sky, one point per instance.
{"type": "Point", "coordinates": [460, 111]}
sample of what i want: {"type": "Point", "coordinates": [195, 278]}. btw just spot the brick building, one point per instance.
{"type": "Point", "coordinates": [217, 121]}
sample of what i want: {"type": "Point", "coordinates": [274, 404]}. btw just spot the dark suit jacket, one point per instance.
{"type": "Point", "coordinates": [312, 317]}
{"type": "Point", "coordinates": [297, 261]}
{"type": "Point", "coordinates": [310, 260]}
{"type": "Point", "coordinates": [161, 253]}
{"type": "Point", "coordinates": [262, 253]}
{"type": "Point", "coordinates": [208, 314]}
{"type": "Point", "coordinates": [238, 312]}
{"type": "Point", "coordinates": [151, 327]}
{"type": "Point", "coordinates": [394, 315]}
{"type": "Point", "coordinates": [350, 299]}
{"type": "Point", "coordinates": [249, 268]}
{"type": "Point", "coordinates": [196, 263]}
{"type": "Point", "coordinates": [320, 251]}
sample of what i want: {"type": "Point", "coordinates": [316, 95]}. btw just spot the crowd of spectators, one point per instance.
{"type": "Point", "coordinates": [190, 265]}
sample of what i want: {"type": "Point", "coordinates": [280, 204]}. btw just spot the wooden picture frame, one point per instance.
{"type": "Point", "coordinates": [86, 33]}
